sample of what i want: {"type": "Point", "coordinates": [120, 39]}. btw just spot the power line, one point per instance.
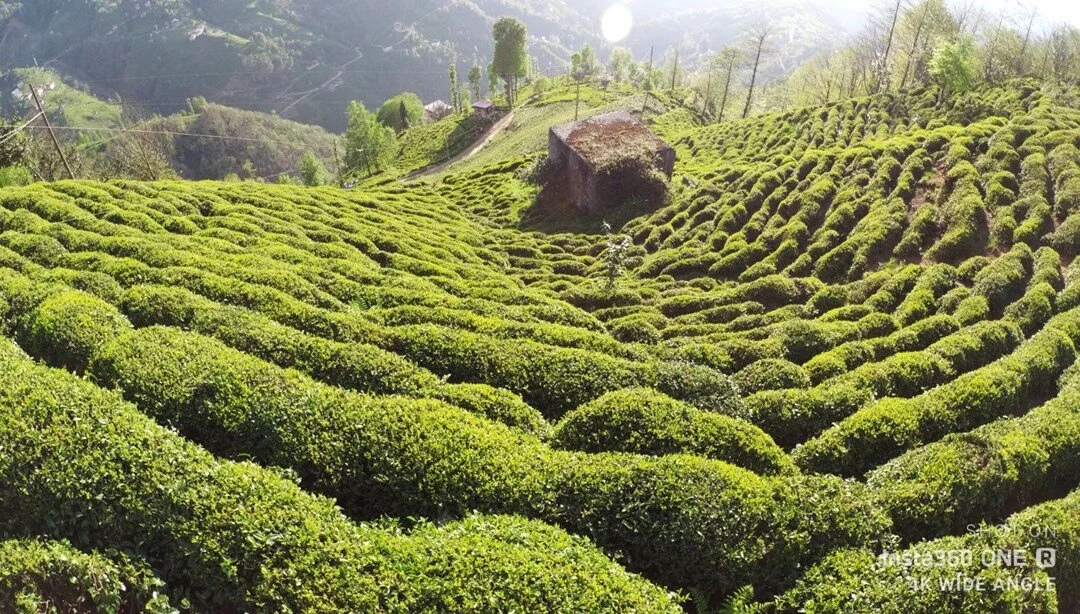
{"type": "Point", "coordinates": [191, 134]}
{"type": "Point", "coordinates": [11, 135]}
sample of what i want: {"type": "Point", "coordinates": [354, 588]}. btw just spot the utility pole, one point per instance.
{"type": "Point", "coordinates": [648, 81]}
{"type": "Point", "coordinates": [675, 70]}
{"type": "Point", "coordinates": [44, 116]}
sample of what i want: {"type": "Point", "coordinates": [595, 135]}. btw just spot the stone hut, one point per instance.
{"type": "Point", "coordinates": [485, 109]}
{"type": "Point", "coordinates": [437, 110]}
{"type": "Point", "coordinates": [578, 149]}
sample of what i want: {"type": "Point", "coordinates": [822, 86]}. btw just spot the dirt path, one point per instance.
{"type": "Point", "coordinates": [492, 132]}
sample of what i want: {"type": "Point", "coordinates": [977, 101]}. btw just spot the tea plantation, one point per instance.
{"type": "Point", "coordinates": [852, 331]}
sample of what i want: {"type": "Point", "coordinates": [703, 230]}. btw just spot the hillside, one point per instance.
{"type": "Point", "coordinates": [198, 141]}
{"type": "Point", "coordinates": [307, 60]}
{"type": "Point", "coordinates": [851, 331]}
{"type": "Point", "coordinates": [214, 141]}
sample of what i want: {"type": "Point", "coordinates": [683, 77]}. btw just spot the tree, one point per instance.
{"type": "Point", "coordinates": [137, 155]}
{"type": "Point", "coordinates": [455, 99]}
{"type": "Point", "coordinates": [588, 61]}
{"type": "Point", "coordinates": [1063, 49]}
{"type": "Point", "coordinates": [757, 38]}
{"type": "Point", "coordinates": [882, 73]}
{"type": "Point", "coordinates": [621, 64]}
{"type": "Point", "coordinates": [474, 81]}
{"type": "Point", "coordinates": [312, 171]}
{"type": "Point", "coordinates": [817, 80]}
{"type": "Point", "coordinates": [924, 25]}
{"type": "Point", "coordinates": [511, 59]}
{"type": "Point", "coordinates": [728, 58]}
{"type": "Point", "coordinates": [1000, 52]}
{"type": "Point", "coordinates": [368, 144]}
{"type": "Point", "coordinates": [493, 79]}
{"type": "Point", "coordinates": [15, 149]}
{"type": "Point", "coordinates": [389, 114]}
{"type": "Point", "coordinates": [952, 66]}
{"type": "Point", "coordinates": [673, 73]}
{"type": "Point", "coordinates": [1027, 39]}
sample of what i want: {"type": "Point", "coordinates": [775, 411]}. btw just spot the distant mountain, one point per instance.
{"type": "Point", "coordinates": [306, 60]}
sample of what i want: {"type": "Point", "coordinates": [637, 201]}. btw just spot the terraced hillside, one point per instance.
{"type": "Point", "coordinates": [852, 331]}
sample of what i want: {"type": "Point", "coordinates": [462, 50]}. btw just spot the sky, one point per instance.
{"type": "Point", "coordinates": [853, 13]}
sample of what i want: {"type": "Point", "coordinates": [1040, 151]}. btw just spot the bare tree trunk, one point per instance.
{"type": "Point", "coordinates": [914, 43]}
{"type": "Point", "coordinates": [883, 73]}
{"type": "Point", "coordinates": [761, 35]}
{"type": "Point", "coordinates": [727, 88]}
{"type": "Point", "coordinates": [1023, 47]}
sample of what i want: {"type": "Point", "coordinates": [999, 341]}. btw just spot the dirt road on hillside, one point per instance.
{"type": "Point", "coordinates": [492, 132]}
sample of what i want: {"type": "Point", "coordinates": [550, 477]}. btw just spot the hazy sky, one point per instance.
{"type": "Point", "coordinates": [1050, 11]}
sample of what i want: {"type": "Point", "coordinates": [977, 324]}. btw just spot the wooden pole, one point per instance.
{"type": "Point", "coordinates": [44, 116]}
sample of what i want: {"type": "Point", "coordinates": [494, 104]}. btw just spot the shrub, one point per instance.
{"type": "Point", "coordinates": [1033, 309]}
{"type": "Point", "coordinates": [985, 474]}
{"type": "Point", "coordinates": [770, 374]}
{"type": "Point", "coordinates": [175, 506]}
{"type": "Point", "coordinates": [1003, 279]}
{"type": "Point", "coordinates": [635, 329]}
{"type": "Point", "coordinates": [67, 329]}
{"type": "Point", "coordinates": [643, 421]}
{"type": "Point", "coordinates": [407, 457]}
{"type": "Point", "coordinates": [792, 416]}
{"type": "Point", "coordinates": [50, 576]}
{"type": "Point", "coordinates": [889, 427]}
{"type": "Point", "coordinates": [972, 309]}
{"type": "Point", "coordinates": [857, 581]}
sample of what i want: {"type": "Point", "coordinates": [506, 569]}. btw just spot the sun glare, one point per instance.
{"type": "Point", "coordinates": [616, 23]}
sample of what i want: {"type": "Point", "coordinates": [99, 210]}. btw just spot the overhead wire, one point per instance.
{"type": "Point", "coordinates": [7, 137]}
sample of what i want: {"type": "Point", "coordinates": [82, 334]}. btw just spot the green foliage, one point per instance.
{"type": "Point", "coordinates": [390, 113]}
{"type": "Point", "coordinates": [953, 64]}
{"type": "Point", "coordinates": [770, 374]}
{"type": "Point", "coordinates": [50, 576]}
{"type": "Point", "coordinates": [312, 172]}
{"type": "Point", "coordinates": [880, 293]}
{"type": "Point", "coordinates": [159, 496]}
{"type": "Point", "coordinates": [643, 421]}
{"type": "Point", "coordinates": [368, 144]}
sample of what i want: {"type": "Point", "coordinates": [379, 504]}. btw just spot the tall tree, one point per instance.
{"type": "Point", "coordinates": [621, 64]}
{"type": "Point", "coordinates": [882, 73]}
{"type": "Point", "coordinates": [390, 113]}
{"type": "Point", "coordinates": [455, 96]}
{"type": "Point", "coordinates": [312, 171]}
{"type": "Point", "coordinates": [368, 143]}
{"type": "Point", "coordinates": [728, 59]}
{"type": "Point", "coordinates": [757, 38]}
{"type": "Point", "coordinates": [511, 59]}
{"type": "Point", "coordinates": [1064, 50]}
{"type": "Point", "coordinates": [953, 66]}
{"type": "Point", "coordinates": [475, 76]}
{"type": "Point", "coordinates": [493, 80]}
{"type": "Point", "coordinates": [1020, 61]}
{"type": "Point", "coordinates": [588, 62]}
{"type": "Point", "coordinates": [925, 23]}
